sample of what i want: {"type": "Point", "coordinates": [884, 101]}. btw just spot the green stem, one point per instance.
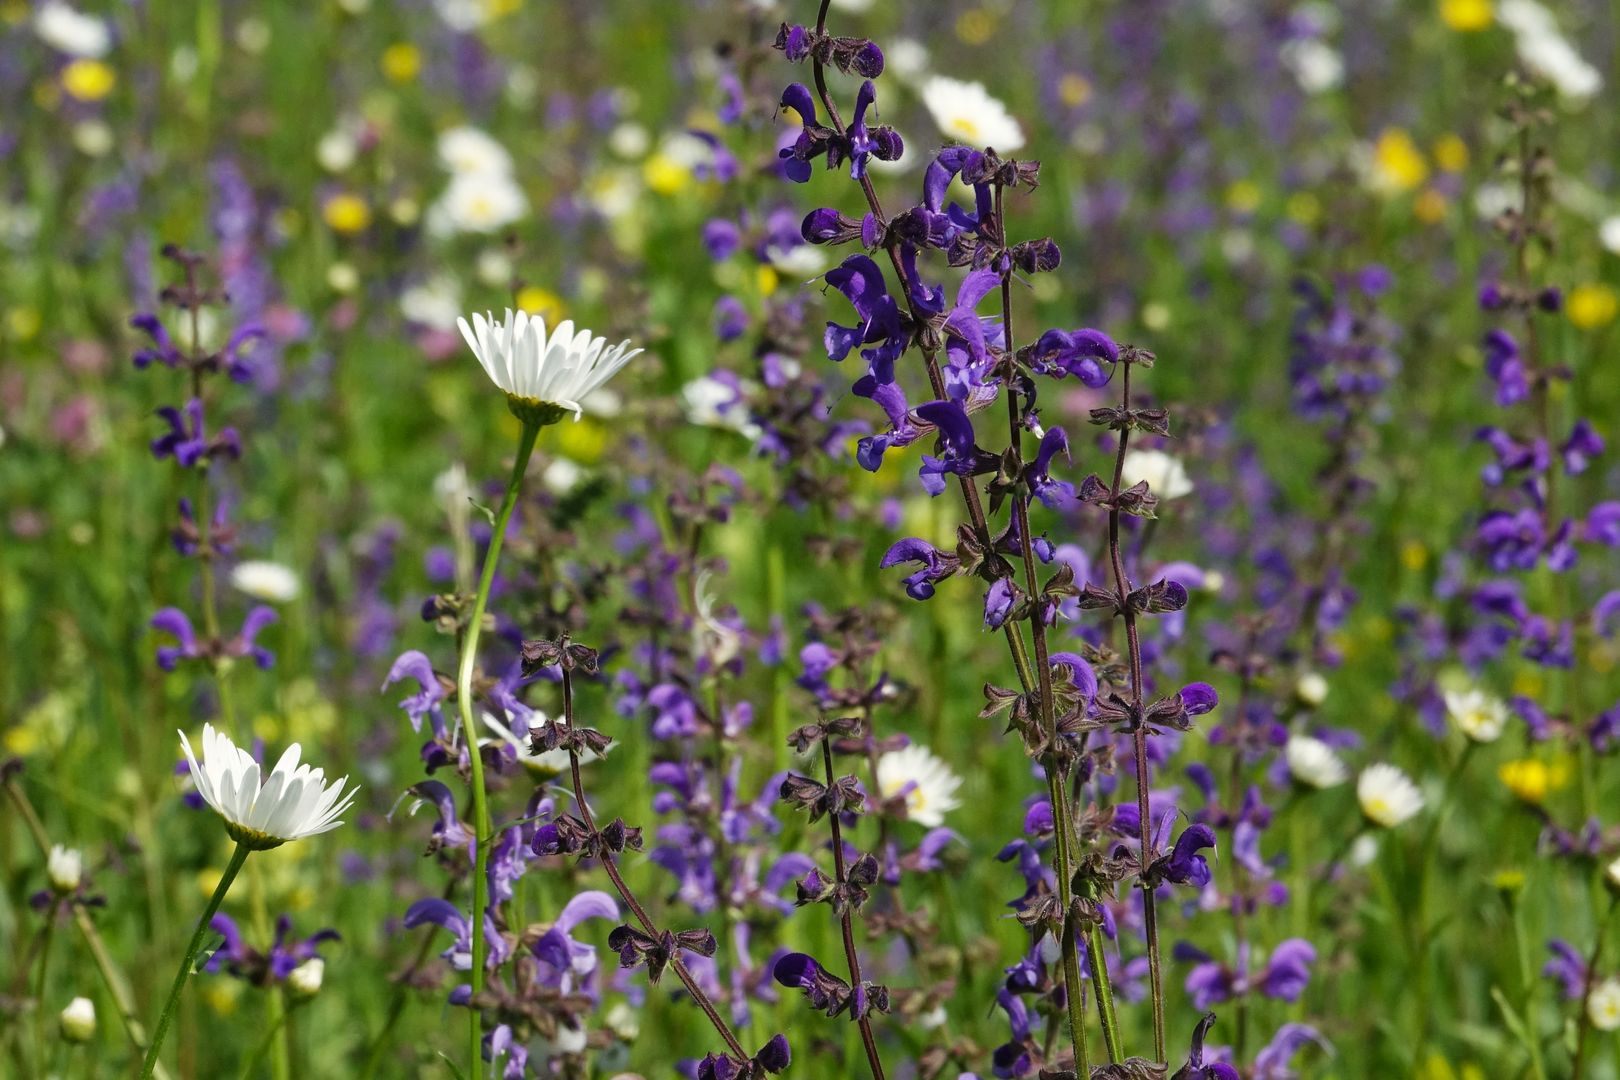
{"type": "Point", "coordinates": [464, 699]}
{"type": "Point", "coordinates": [1528, 985]}
{"type": "Point", "coordinates": [1097, 963]}
{"type": "Point", "coordinates": [238, 857]}
{"type": "Point", "coordinates": [39, 991]}
{"type": "Point", "coordinates": [276, 1027]}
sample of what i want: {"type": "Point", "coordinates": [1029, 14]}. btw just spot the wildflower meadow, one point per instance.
{"type": "Point", "coordinates": [611, 540]}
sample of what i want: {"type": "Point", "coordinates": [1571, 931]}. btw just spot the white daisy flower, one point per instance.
{"type": "Point", "coordinates": [712, 402]}
{"type": "Point", "coordinates": [1313, 763]}
{"type": "Point", "coordinates": [70, 31]}
{"type": "Point", "coordinates": [64, 867]}
{"type": "Point", "coordinates": [1544, 49]}
{"type": "Point", "coordinates": [478, 203]}
{"type": "Point", "coordinates": [1316, 65]}
{"type": "Point", "coordinates": [558, 370]}
{"type": "Point", "coordinates": [1166, 475]}
{"type": "Point", "coordinates": [293, 802]}
{"type": "Point", "coordinates": [1477, 714]}
{"type": "Point", "coordinates": [434, 303]}
{"type": "Point", "coordinates": [1603, 1007]}
{"type": "Point", "coordinates": [1387, 796]}
{"type": "Point", "coordinates": [264, 580]}
{"type": "Point", "coordinates": [78, 1020]}
{"type": "Point", "coordinates": [469, 151]}
{"type": "Point", "coordinates": [966, 112]}
{"type": "Point", "coordinates": [927, 784]}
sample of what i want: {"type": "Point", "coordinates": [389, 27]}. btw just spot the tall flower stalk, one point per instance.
{"type": "Point", "coordinates": [484, 831]}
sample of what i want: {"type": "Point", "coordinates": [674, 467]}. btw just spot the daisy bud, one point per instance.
{"type": "Point", "coordinates": [65, 869]}
{"type": "Point", "coordinates": [78, 1020]}
{"type": "Point", "coordinates": [305, 980]}
{"type": "Point", "coordinates": [1311, 688]}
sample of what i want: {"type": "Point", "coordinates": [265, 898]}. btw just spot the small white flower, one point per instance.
{"type": "Point", "coordinates": [559, 369]}
{"type": "Point", "coordinates": [1317, 66]}
{"type": "Point", "coordinates": [906, 59]}
{"type": "Point", "coordinates": [712, 402]}
{"type": "Point", "coordinates": [966, 112]}
{"type": "Point", "coordinates": [65, 868]}
{"type": "Point", "coordinates": [1313, 763]}
{"type": "Point", "coordinates": [1603, 1007]}
{"type": "Point", "coordinates": [1477, 714]}
{"type": "Point", "coordinates": [293, 802]}
{"type": "Point", "coordinates": [478, 203]}
{"type": "Point", "coordinates": [1609, 234]}
{"type": "Point", "coordinates": [305, 979]}
{"type": "Point", "coordinates": [1311, 688]}
{"type": "Point", "coordinates": [719, 642]}
{"type": "Point", "coordinates": [337, 150]}
{"type": "Point", "coordinates": [78, 1020]}
{"type": "Point", "coordinates": [1545, 50]}
{"type": "Point", "coordinates": [562, 475]}
{"type": "Point", "coordinates": [1613, 874]}
{"type": "Point", "coordinates": [93, 138]}
{"type": "Point", "coordinates": [1387, 796]}
{"type": "Point", "coordinates": [265, 580]}
{"type": "Point", "coordinates": [70, 31]}
{"type": "Point", "coordinates": [434, 303]}
{"type": "Point", "coordinates": [928, 784]}
{"type": "Point", "coordinates": [630, 141]}
{"type": "Point", "coordinates": [469, 151]}
{"type": "Point", "coordinates": [1166, 475]}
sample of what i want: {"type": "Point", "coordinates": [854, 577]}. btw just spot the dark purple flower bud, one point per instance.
{"type": "Point", "coordinates": [1200, 698]}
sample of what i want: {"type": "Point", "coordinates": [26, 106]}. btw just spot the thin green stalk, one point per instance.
{"type": "Point", "coordinates": [464, 699]}
{"type": "Point", "coordinates": [116, 986]}
{"type": "Point", "coordinates": [1583, 1022]}
{"type": "Point", "coordinates": [1527, 982]}
{"type": "Point", "coordinates": [238, 857]}
{"type": "Point", "coordinates": [39, 992]}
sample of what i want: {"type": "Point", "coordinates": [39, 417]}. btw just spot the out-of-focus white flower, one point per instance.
{"type": "Point", "coordinates": [78, 1020]}
{"type": "Point", "coordinates": [1316, 65]}
{"type": "Point", "coordinates": [1478, 715]}
{"type": "Point", "coordinates": [342, 277]}
{"type": "Point", "coordinates": [558, 369]}
{"type": "Point", "coordinates": [64, 868]}
{"type": "Point", "coordinates": [800, 262]}
{"type": "Point", "coordinates": [966, 112]}
{"type": "Point", "coordinates": [1311, 688]}
{"type": "Point", "coordinates": [464, 16]}
{"type": "Point", "coordinates": [906, 59]}
{"type": "Point", "coordinates": [253, 35]}
{"type": "Point", "coordinates": [434, 303]}
{"type": "Point", "coordinates": [265, 580]}
{"type": "Point", "coordinates": [923, 780]}
{"type": "Point", "coordinates": [1603, 1007]}
{"type": "Point", "coordinates": [629, 140]}
{"type": "Point", "coordinates": [1313, 763]}
{"type": "Point", "coordinates": [68, 30]}
{"type": "Point", "coordinates": [561, 476]}
{"type": "Point", "coordinates": [1544, 49]}
{"type": "Point", "coordinates": [613, 193]}
{"type": "Point", "coordinates": [337, 150]}
{"type": "Point", "coordinates": [1387, 796]}
{"type": "Point", "coordinates": [1609, 234]}
{"type": "Point", "coordinates": [478, 203]}
{"type": "Point", "coordinates": [93, 138]}
{"type": "Point", "coordinates": [293, 802]}
{"type": "Point", "coordinates": [495, 267]}
{"type": "Point", "coordinates": [719, 642]}
{"type": "Point", "coordinates": [712, 402]}
{"type": "Point", "coordinates": [1166, 475]}
{"type": "Point", "coordinates": [305, 979]}
{"type": "Point", "coordinates": [1612, 873]}
{"type": "Point", "coordinates": [465, 149]}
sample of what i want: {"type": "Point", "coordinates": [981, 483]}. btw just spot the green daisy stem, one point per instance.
{"type": "Point", "coordinates": [464, 699]}
{"type": "Point", "coordinates": [238, 857]}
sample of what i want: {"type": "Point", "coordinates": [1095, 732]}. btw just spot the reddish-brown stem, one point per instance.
{"type": "Point", "coordinates": [623, 889]}
{"type": "Point", "coordinates": [846, 924]}
{"type": "Point", "coordinates": [1122, 587]}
